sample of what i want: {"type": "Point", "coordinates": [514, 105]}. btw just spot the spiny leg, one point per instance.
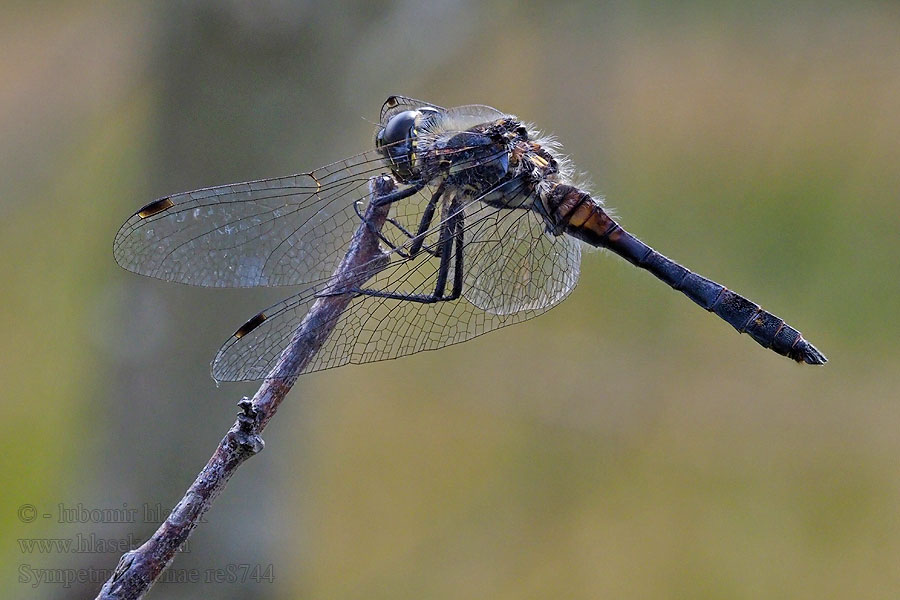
{"type": "Point", "coordinates": [394, 196]}
{"type": "Point", "coordinates": [458, 272]}
{"type": "Point", "coordinates": [425, 222]}
{"type": "Point", "coordinates": [418, 238]}
{"type": "Point", "coordinates": [451, 236]}
{"type": "Point", "coordinates": [397, 195]}
{"type": "Point", "coordinates": [446, 244]}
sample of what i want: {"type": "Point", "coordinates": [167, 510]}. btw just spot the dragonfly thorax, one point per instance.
{"type": "Point", "coordinates": [469, 159]}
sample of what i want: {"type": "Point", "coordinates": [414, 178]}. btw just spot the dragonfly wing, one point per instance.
{"type": "Point", "coordinates": [370, 329]}
{"type": "Point", "coordinates": [283, 231]}
{"type": "Point", "coordinates": [253, 350]}
{"type": "Point", "coordinates": [513, 264]}
{"type": "Point", "coordinates": [375, 328]}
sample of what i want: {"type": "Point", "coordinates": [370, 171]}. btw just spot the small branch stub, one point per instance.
{"type": "Point", "coordinates": [248, 421]}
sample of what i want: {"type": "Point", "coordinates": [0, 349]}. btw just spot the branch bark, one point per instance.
{"type": "Point", "coordinates": [140, 568]}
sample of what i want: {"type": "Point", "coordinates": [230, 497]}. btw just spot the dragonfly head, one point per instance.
{"type": "Point", "coordinates": [397, 140]}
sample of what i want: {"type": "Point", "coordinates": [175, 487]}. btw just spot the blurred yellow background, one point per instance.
{"type": "Point", "coordinates": [625, 445]}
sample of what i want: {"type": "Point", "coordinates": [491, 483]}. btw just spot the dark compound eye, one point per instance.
{"type": "Point", "coordinates": [399, 128]}
{"type": "Point", "coordinates": [397, 141]}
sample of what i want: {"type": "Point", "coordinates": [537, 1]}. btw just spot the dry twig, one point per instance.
{"type": "Point", "coordinates": [140, 568]}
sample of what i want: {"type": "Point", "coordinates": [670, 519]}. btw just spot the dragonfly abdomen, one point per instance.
{"type": "Point", "coordinates": [574, 212]}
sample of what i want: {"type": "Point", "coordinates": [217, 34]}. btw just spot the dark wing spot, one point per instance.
{"type": "Point", "coordinates": [250, 325]}
{"type": "Point", "coordinates": [155, 207]}
{"type": "Point", "coordinates": [391, 102]}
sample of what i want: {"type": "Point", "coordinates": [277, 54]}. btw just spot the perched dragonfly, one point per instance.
{"type": "Point", "coordinates": [484, 230]}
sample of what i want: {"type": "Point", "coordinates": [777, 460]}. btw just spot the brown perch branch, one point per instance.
{"type": "Point", "coordinates": [140, 568]}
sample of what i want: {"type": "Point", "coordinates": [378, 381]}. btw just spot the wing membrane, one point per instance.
{"type": "Point", "coordinates": [271, 232]}
{"type": "Point", "coordinates": [281, 231]}
{"type": "Point", "coordinates": [513, 264]}
{"type": "Point", "coordinates": [375, 328]}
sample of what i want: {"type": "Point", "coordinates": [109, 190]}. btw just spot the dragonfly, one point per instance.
{"type": "Point", "coordinates": [485, 229]}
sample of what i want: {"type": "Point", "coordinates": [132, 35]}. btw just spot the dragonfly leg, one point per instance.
{"type": "Point", "coordinates": [418, 239]}
{"type": "Point", "coordinates": [394, 196]}
{"type": "Point", "coordinates": [425, 222]}
{"type": "Point", "coordinates": [458, 271]}
{"type": "Point", "coordinates": [398, 195]}
{"type": "Point", "coordinates": [451, 236]}
{"type": "Point", "coordinates": [383, 238]}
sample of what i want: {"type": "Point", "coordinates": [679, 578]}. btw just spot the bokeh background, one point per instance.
{"type": "Point", "coordinates": [625, 445]}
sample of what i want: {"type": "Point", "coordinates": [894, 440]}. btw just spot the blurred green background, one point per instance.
{"type": "Point", "coordinates": [625, 445]}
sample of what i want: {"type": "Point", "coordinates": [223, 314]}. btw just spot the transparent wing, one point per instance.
{"type": "Point", "coordinates": [376, 328]}
{"type": "Point", "coordinates": [283, 231]}
{"type": "Point", "coordinates": [513, 264]}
